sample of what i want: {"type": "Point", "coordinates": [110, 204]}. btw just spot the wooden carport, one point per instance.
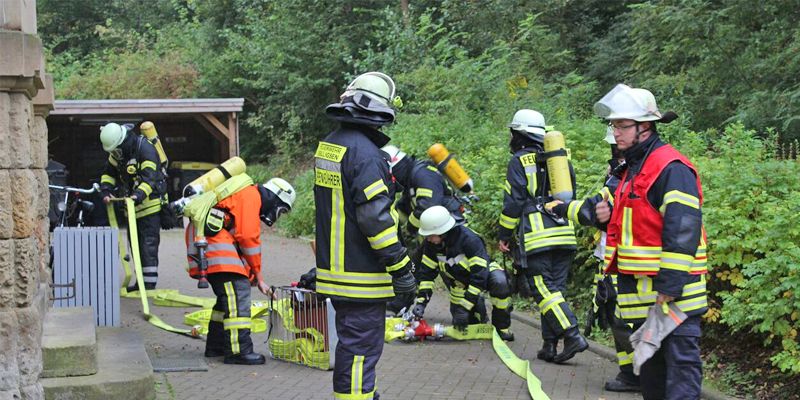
{"type": "Point", "coordinates": [205, 130]}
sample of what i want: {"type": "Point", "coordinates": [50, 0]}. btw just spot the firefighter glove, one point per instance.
{"type": "Point", "coordinates": [418, 310]}
{"type": "Point", "coordinates": [308, 280]}
{"type": "Point", "coordinates": [404, 283]}
{"type": "Point", "coordinates": [460, 316]}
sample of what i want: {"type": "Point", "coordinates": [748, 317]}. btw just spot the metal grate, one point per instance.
{"type": "Point", "coordinates": [302, 328]}
{"type": "Point", "coordinates": [89, 257]}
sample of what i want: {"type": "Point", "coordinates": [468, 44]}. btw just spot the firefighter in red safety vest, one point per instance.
{"type": "Point", "coordinates": [655, 239]}
{"type": "Point", "coordinates": [234, 264]}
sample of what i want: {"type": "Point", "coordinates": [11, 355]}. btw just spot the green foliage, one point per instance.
{"type": "Point", "coordinates": [751, 215]}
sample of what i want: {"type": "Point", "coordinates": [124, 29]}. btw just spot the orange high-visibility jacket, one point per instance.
{"type": "Point", "coordinates": [236, 248]}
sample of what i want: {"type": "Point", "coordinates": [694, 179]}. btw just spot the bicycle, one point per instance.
{"type": "Point", "coordinates": [66, 209]}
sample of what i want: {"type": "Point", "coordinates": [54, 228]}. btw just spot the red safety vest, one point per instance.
{"type": "Point", "coordinates": [633, 245]}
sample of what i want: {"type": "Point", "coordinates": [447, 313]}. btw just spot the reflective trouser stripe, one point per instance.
{"type": "Point", "coordinates": [236, 323]}
{"type": "Point", "coordinates": [624, 358]}
{"type": "Point", "coordinates": [501, 304]}
{"type": "Point", "coordinates": [233, 313]}
{"type": "Point", "coordinates": [150, 274]}
{"type": "Point", "coordinates": [426, 285]}
{"type": "Point", "coordinates": [357, 375]}
{"type": "Point", "coordinates": [353, 396]}
{"type": "Point", "coordinates": [552, 303]}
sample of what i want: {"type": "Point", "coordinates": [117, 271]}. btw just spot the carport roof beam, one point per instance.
{"type": "Point", "coordinates": [148, 106]}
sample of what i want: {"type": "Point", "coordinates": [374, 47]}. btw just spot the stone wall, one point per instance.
{"type": "Point", "coordinates": [26, 97]}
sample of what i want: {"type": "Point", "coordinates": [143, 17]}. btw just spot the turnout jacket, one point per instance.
{"type": "Point", "coordinates": [656, 231]}
{"type": "Point", "coordinates": [526, 191]}
{"type": "Point", "coordinates": [358, 249]}
{"type": "Point", "coordinates": [236, 247]}
{"type": "Point", "coordinates": [463, 262]}
{"type": "Point", "coordinates": [139, 172]}
{"type": "Point", "coordinates": [425, 187]}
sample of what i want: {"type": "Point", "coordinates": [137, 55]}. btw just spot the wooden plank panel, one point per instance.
{"type": "Point", "coordinates": [84, 265]}
{"type": "Point", "coordinates": [114, 262]}
{"type": "Point", "coordinates": [70, 262]}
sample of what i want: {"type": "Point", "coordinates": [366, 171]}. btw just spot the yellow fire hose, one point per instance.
{"type": "Point", "coordinates": [398, 328]}
{"type": "Point", "coordinates": [165, 297]}
{"type": "Point", "coordinates": [307, 348]}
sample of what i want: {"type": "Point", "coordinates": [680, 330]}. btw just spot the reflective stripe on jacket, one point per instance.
{"type": "Point", "coordinates": [526, 184]}
{"type": "Point", "coordinates": [356, 224]}
{"type": "Point", "coordinates": [634, 232]}
{"type": "Point", "coordinates": [236, 250]}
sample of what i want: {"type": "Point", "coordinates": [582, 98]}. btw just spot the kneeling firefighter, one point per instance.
{"type": "Point", "coordinates": [466, 269]}
{"type": "Point", "coordinates": [547, 244]}
{"type": "Point", "coordinates": [135, 169]}
{"type": "Point", "coordinates": [233, 254]}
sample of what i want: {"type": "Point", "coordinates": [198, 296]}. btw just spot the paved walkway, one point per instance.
{"type": "Point", "coordinates": [429, 370]}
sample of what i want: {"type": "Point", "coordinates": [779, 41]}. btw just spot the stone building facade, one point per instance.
{"type": "Point", "coordinates": [26, 97]}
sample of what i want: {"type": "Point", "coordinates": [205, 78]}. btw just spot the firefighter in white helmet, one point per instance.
{"type": "Point", "coordinates": [422, 186]}
{"type": "Point", "coordinates": [134, 169]}
{"type": "Point", "coordinates": [457, 254]}
{"type": "Point", "coordinates": [656, 242]}
{"type": "Point", "coordinates": [234, 264]}
{"type": "Point", "coordinates": [546, 245]}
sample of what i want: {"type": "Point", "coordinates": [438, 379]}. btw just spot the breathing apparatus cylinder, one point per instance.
{"type": "Point", "coordinates": [558, 166]}
{"type": "Point", "coordinates": [450, 168]}
{"type": "Point", "coordinates": [211, 179]}
{"type": "Point", "coordinates": [148, 129]}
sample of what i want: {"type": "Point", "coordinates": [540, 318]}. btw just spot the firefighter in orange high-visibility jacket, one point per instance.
{"type": "Point", "coordinates": [234, 264]}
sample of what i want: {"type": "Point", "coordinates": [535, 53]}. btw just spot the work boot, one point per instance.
{"type": "Point", "coordinates": [505, 334]}
{"type": "Point", "coordinates": [245, 359]}
{"type": "Point", "coordinates": [617, 385]}
{"type": "Point", "coordinates": [548, 351]}
{"type": "Point", "coordinates": [213, 353]}
{"type": "Point", "coordinates": [573, 343]}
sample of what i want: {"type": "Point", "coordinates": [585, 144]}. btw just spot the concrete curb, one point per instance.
{"type": "Point", "coordinates": [611, 355]}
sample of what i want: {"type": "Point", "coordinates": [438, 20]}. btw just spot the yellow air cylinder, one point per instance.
{"type": "Point", "coordinates": [215, 177]}
{"type": "Point", "coordinates": [451, 169]}
{"type": "Point", "coordinates": [148, 129]}
{"type": "Point", "coordinates": [558, 167]}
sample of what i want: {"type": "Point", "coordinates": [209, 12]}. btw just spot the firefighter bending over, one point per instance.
{"type": "Point", "coordinates": [234, 264]}
{"type": "Point", "coordinates": [134, 169]}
